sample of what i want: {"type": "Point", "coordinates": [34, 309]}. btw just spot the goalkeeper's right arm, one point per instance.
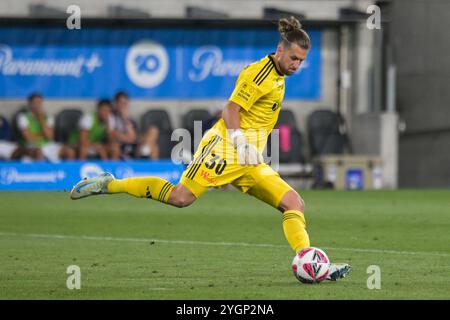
{"type": "Point", "coordinates": [247, 153]}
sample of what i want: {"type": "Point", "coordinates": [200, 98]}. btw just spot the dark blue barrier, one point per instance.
{"type": "Point", "coordinates": [63, 175]}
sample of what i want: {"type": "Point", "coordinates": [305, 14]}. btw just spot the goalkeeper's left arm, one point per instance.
{"type": "Point", "coordinates": [247, 153]}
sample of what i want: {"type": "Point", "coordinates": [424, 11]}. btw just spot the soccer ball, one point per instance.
{"type": "Point", "coordinates": [311, 265]}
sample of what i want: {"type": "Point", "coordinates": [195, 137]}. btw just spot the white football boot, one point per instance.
{"type": "Point", "coordinates": [92, 186]}
{"type": "Point", "coordinates": [338, 271]}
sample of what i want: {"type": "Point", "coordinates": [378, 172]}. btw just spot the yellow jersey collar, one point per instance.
{"type": "Point", "coordinates": [274, 64]}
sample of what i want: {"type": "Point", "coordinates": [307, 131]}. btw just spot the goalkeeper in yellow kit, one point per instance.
{"type": "Point", "coordinates": [231, 151]}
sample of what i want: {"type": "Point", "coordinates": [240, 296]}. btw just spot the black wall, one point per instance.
{"type": "Point", "coordinates": [420, 35]}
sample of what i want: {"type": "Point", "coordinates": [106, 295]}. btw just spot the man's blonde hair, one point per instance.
{"type": "Point", "coordinates": [291, 32]}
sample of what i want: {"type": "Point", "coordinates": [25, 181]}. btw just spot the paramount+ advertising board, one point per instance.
{"type": "Point", "coordinates": [148, 63]}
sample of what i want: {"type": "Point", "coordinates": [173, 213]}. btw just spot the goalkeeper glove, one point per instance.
{"type": "Point", "coordinates": [246, 152]}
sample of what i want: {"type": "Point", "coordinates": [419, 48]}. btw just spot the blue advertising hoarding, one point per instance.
{"type": "Point", "coordinates": [63, 175]}
{"type": "Point", "coordinates": [148, 63]}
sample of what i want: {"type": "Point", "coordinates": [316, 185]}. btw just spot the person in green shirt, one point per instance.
{"type": "Point", "coordinates": [36, 128]}
{"type": "Point", "coordinates": [96, 133]}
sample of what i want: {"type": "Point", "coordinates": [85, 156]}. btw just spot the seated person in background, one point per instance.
{"type": "Point", "coordinates": [37, 133]}
{"type": "Point", "coordinates": [124, 132]}
{"type": "Point", "coordinates": [148, 144]}
{"type": "Point", "coordinates": [8, 149]}
{"type": "Point", "coordinates": [96, 136]}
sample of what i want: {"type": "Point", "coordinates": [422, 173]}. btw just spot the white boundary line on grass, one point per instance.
{"type": "Point", "coordinates": [207, 243]}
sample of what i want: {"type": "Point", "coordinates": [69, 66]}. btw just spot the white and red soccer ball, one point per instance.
{"type": "Point", "coordinates": [311, 265]}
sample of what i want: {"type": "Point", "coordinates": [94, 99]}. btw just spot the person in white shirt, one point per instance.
{"type": "Point", "coordinates": [37, 132]}
{"type": "Point", "coordinates": [124, 132]}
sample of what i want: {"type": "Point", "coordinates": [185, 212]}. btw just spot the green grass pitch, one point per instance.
{"type": "Point", "coordinates": [225, 246]}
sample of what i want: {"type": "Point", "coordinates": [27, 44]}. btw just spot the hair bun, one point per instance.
{"type": "Point", "coordinates": [288, 25]}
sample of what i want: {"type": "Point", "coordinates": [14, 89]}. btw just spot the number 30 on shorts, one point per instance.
{"type": "Point", "coordinates": [217, 163]}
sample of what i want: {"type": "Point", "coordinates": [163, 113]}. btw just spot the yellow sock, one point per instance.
{"type": "Point", "coordinates": [146, 187]}
{"type": "Point", "coordinates": [294, 227]}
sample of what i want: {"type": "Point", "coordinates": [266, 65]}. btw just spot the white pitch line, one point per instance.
{"type": "Point", "coordinates": [412, 253]}
{"type": "Point", "coordinates": [58, 236]}
{"type": "Point", "coordinates": [208, 243]}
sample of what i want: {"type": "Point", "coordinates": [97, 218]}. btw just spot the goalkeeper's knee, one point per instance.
{"type": "Point", "coordinates": [181, 196]}
{"type": "Point", "coordinates": [292, 201]}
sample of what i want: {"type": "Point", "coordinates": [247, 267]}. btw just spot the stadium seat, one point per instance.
{"type": "Point", "coordinates": [188, 122]}
{"type": "Point", "coordinates": [65, 123]}
{"type": "Point", "coordinates": [158, 118]}
{"type": "Point", "coordinates": [161, 120]}
{"type": "Point", "coordinates": [325, 136]}
{"type": "Point", "coordinates": [294, 151]}
{"type": "Point", "coordinates": [195, 115]}
{"type": "Point", "coordinates": [287, 117]}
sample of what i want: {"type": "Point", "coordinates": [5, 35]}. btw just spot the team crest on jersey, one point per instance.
{"type": "Point", "coordinates": [280, 87]}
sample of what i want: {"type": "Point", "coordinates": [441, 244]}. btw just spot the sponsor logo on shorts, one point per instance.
{"type": "Point", "coordinates": [205, 175]}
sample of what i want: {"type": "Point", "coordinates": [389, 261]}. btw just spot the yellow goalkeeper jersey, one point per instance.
{"type": "Point", "coordinates": [259, 91]}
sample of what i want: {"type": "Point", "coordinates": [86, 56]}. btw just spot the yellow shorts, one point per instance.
{"type": "Point", "coordinates": [215, 165]}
